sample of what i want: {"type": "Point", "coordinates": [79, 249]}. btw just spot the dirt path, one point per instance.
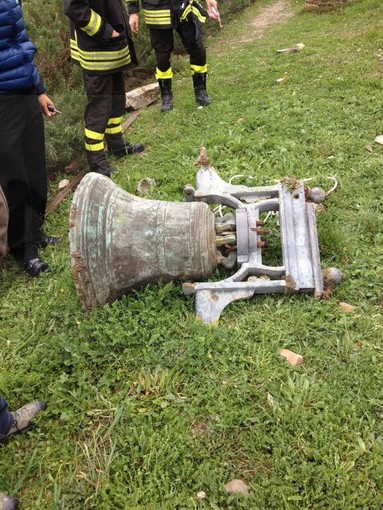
{"type": "Point", "coordinates": [276, 13]}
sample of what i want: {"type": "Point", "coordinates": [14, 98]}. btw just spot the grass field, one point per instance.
{"type": "Point", "coordinates": [146, 405]}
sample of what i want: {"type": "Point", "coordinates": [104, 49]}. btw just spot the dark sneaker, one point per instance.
{"type": "Point", "coordinates": [36, 266]}
{"type": "Point", "coordinates": [126, 149]}
{"type": "Point", "coordinates": [46, 240]}
{"type": "Point", "coordinates": [22, 418]}
{"type": "Point", "coordinates": [8, 503]}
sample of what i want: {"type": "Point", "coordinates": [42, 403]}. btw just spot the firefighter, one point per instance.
{"type": "Point", "coordinates": [102, 46]}
{"type": "Point", "coordinates": [185, 16]}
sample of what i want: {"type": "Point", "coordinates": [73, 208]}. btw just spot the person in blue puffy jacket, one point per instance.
{"type": "Point", "coordinates": [23, 175]}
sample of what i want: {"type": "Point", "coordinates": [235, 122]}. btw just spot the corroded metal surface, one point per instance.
{"type": "Point", "coordinates": [119, 241]}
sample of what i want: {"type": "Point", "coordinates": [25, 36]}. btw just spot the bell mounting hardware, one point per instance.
{"type": "Point", "coordinates": [300, 270]}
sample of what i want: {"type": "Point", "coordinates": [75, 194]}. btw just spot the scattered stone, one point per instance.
{"type": "Point", "coordinates": [145, 186]}
{"type": "Point", "coordinates": [294, 49]}
{"type": "Point", "coordinates": [71, 168]}
{"type": "Point", "coordinates": [237, 487]}
{"type": "Point", "coordinates": [346, 307]}
{"type": "Point", "coordinates": [201, 495]}
{"type": "Point", "coordinates": [142, 96]}
{"type": "Point", "coordinates": [292, 357]}
{"type": "Point", "coordinates": [379, 139]}
{"type": "Point", "coordinates": [331, 277]}
{"type": "Point", "coordinates": [334, 274]}
{"type": "Point", "coordinates": [316, 195]}
{"type": "Point", "coordinates": [368, 148]}
{"type": "Point", "coordinates": [63, 184]}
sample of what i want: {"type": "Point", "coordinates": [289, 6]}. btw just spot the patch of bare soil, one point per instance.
{"type": "Point", "coordinates": [278, 12]}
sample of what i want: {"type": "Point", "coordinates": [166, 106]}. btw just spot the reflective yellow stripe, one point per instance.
{"type": "Point", "coordinates": [164, 75]}
{"type": "Point", "coordinates": [94, 135]}
{"type": "Point", "coordinates": [99, 65]}
{"type": "Point", "coordinates": [158, 17]}
{"type": "Point", "coordinates": [114, 130]}
{"type": "Point", "coordinates": [99, 60]}
{"type": "Point", "coordinates": [115, 120]}
{"type": "Point", "coordinates": [94, 24]}
{"type": "Point", "coordinates": [198, 69]}
{"type": "Point", "coordinates": [191, 9]}
{"type": "Point", "coordinates": [94, 147]}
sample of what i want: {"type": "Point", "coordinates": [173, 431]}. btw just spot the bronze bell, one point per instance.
{"type": "Point", "coordinates": [119, 241]}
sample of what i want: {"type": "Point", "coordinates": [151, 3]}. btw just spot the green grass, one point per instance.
{"type": "Point", "coordinates": [147, 406]}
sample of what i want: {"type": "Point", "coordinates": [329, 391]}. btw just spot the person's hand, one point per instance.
{"type": "Point", "coordinates": [44, 103]}
{"type": "Point", "coordinates": [133, 22]}
{"type": "Point", "coordinates": [115, 34]}
{"type": "Point", "coordinates": [211, 4]}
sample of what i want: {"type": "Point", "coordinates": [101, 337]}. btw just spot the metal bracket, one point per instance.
{"type": "Point", "coordinates": [300, 270]}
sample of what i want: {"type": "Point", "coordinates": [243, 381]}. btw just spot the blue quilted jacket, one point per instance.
{"type": "Point", "coordinates": [17, 70]}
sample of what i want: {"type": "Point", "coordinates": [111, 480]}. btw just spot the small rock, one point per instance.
{"type": "Point", "coordinates": [316, 195]}
{"type": "Point", "coordinates": [201, 495]}
{"type": "Point", "coordinates": [63, 184]}
{"type": "Point", "coordinates": [379, 139]}
{"type": "Point", "coordinates": [237, 487]}
{"type": "Point", "coordinates": [332, 275]}
{"type": "Point", "coordinates": [142, 96]}
{"type": "Point", "coordinates": [368, 148]}
{"type": "Point", "coordinates": [292, 357]}
{"type": "Point", "coordinates": [145, 186]}
{"type": "Point", "coordinates": [71, 168]}
{"type": "Point", "coordinates": [346, 307]}
{"type": "Point", "coordinates": [294, 49]}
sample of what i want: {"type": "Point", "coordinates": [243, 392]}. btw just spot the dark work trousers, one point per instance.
{"type": "Point", "coordinates": [6, 419]}
{"type": "Point", "coordinates": [106, 100]}
{"type": "Point", "coordinates": [162, 42]}
{"type": "Point", "coordinates": [23, 171]}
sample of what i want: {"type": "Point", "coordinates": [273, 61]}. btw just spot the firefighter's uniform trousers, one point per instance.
{"type": "Point", "coordinates": [162, 18]}
{"type": "Point", "coordinates": [103, 113]}
{"type": "Point", "coordinates": [102, 59]}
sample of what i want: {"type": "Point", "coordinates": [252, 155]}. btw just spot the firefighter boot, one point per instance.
{"type": "Point", "coordinates": [199, 83]}
{"type": "Point", "coordinates": [97, 163]}
{"type": "Point", "coordinates": [8, 503]}
{"type": "Point", "coordinates": [22, 419]}
{"type": "Point", "coordinates": [119, 147]}
{"type": "Point", "coordinates": [166, 94]}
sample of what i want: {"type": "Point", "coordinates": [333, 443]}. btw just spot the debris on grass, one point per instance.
{"type": "Point", "coordinates": [379, 139]}
{"type": "Point", "coordinates": [331, 277]}
{"type": "Point", "coordinates": [292, 357]}
{"type": "Point", "coordinates": [63, 183]}
{"type": "Point", "coordinates": [237, 487]}
{"type": "Point", "coordinates": [145, 186]}
{"type": "Point", "coordinates": [294, 49]}
{"type": "Point", "coordinates": [201, 495]}
{"type": "Point", "coordinates": [142, 96]}
{"type": "Point", "coordinates": [72, 168]}
{"type": "Point", "coordinates": [346, 307]}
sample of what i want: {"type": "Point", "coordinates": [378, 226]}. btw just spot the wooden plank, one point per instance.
{"type": "Point", "coordinates": [129, 121]}
{"type": "Point", "coordinates": [56, 201]}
